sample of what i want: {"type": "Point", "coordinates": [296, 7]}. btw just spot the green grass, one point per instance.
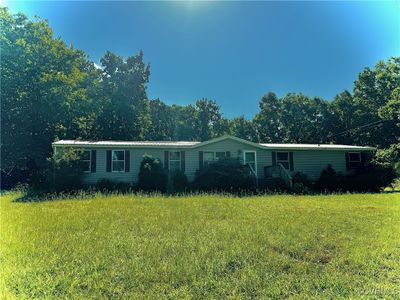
{"type": "Point", "coordinates": [201, 247]}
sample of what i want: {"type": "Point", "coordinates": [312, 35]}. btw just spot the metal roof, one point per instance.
{"type": "Point", "coordinates": [190, 144]}
{"type": "Point", "coordinates": [317, 147]}
{"type": "Point", "coordinates": [125, 143]}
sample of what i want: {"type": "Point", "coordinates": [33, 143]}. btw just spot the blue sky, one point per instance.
{"type": "Point", "coordinates": [232, 52]}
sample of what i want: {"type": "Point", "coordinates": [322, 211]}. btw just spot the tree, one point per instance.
{"type": "Point", "coordinates": [243, 128]}
{"type": "Point", "coordinates": [162, 121]}
{"type": "Point", "coordinates": [267, 122]}
{"type": "Point", "coordinates": [207, 116]}
{"type": "Point", "coordinates": [374, 90]}
{"type": "Point", "coordinates": [125, 111]}
{"type": "Point", "coordinates": [43, 82]}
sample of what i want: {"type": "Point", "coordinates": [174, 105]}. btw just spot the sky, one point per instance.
{"type": "Point", "coordinates": [232, 52]}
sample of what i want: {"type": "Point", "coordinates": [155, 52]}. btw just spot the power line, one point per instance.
{"type": "Point", "coordinates": [355, 128]}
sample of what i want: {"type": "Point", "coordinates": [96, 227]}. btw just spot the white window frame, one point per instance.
{"type": "Point", "coordinates": [90, 161]}
{"type": "Point", "coordinates": [175, 160]}
{"type": "Point", "coordinates": [355, 161]}
{"type": "Point", "coordinates": [207, 162]}
{"type": "Point", "coordinates": [112, 160]}
{"type": "Point", "coordinates": [280, 161]}
{"type": "Point", "coordinates": [255, 159]}
{"type": "Point", "coordinates": [214, 156]}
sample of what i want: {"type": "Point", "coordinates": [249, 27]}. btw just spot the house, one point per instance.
{"type": "Point", "coordinates": [120, 160]}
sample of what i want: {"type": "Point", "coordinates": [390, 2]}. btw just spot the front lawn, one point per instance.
{"type": "Point", "coordinates": [201, 247]}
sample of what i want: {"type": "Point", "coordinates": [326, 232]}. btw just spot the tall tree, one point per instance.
{"type": "Point", "coordinates": [125, 111]}
{"type": "Point", "coordinates": [373, 90]}
{"type": "Point", "coordinates": [267, 123]}
{"type": "Point", "coordinates": [243, 128]}
{"type": "Point", "coordinates": [162, 121]}
{"type": "Point", "coordinates": [207, 115]}
{"type": "Point", "coordinates": [42, 82]}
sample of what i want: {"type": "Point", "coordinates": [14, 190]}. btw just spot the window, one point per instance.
{"type": "Point", "coordinates": [354, 159]}
{"type": "Point", "coordinates": [250, 160]}
{"type": "Point", "coordinates": [283, 159]}
{"type": "Point", "coordinates": [118, 160]}
{"type": "Point", "coordinates": [220, 155]}
{"type": "Point", "coordinates": [208, 158]}
{"type": "Point", "coordinates": [86, 160]}
{"type": "Point", "coordinates": [174, 160]}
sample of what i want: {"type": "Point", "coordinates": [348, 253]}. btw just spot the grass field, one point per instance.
{"type": "Point", "coordinates": [201, 247]}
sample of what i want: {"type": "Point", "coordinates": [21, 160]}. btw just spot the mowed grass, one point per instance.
{"type": "Point", "coordinates": [209, 246]}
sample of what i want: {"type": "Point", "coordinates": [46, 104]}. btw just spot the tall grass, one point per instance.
{"type": "Point", "coordinates": [201, 246]}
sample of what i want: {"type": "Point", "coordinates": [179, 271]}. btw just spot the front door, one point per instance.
{"type": "Point", "coordinates": [250, 159]}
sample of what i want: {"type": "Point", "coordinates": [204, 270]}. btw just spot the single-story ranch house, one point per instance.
{"type": "Point", "coordinates": [120, 160]}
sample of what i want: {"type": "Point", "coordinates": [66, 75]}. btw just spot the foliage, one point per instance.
{"type": "Point", "coordinates": [63, 173]}
{"type": "Point", "coordinates": [106, 185]}
{"type": "Point", "coordinates": [179, 181]}
{"type": "Point", "coordinates": [300, 188]}
{"type": "Point", "coordinates": [301, 178]}
{"type": "Point", "coordinates": [125, 111]}
{"type": "Point", "coordinates": [225, 175]}
{"type": "Point", "coordinates": [273, 185]}
{"type": "Point", "coordinates": [152, 176]}
{"type": "Point", "coordinates": [373, 178]}
{"type": "Point", "coordinates": [209, 246]}
{"type": "Point", "coordinates": [329, 180]}
{"type": "Point", "coordinates": [43, 90]}
{"type": "Point", "coordinates": [389, 157]}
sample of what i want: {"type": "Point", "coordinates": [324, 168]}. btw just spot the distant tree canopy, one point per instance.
{"type": "Point", "coordinates": [53, 91]}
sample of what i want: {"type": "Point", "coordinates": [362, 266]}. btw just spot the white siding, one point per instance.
{"type": "Point", "coordinates": [312, 163]}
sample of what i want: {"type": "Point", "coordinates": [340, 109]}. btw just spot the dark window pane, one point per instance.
{"type": "Point", "coordinates": [174, 155]}
{"type": "Point", "coordinates": [282, 156]}
{"type": "Point", "coordinates": [220, 155]}
{"type": "Point", "coordinates": [118, 155]}
{"type": "Point", "coordinates": [118, 166]}
{"type": "Point", "coordinates": [208, 156]}
{"type": "Point", "coordinates": [250, 157]}
{"type": "Point", "coordinates": [354, 156]}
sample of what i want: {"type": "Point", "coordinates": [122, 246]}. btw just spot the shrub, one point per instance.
{"type": "Point", "coordinates": [300, 188]}
{"type": "Point", "coordinates": [301, 178]}
{"type": "Point", "coordinates": [329, 180]}
{"type": "Point", "coordinates": [179, 181]}
{"type": "Point", "coordinates": [12, 177]}
{"type": "Point", "coordinates": [225, 175]}
{"type": "Point", "coordinates": [373, 179]}
{"type": "Point", "coordinates": [62, 173]}
{"type": "Point", "coordinates": [273, 185]}
{"type": "Point", "coordinates": [152, 176]}
{"type": "Point", "coordinates": [106, 185]}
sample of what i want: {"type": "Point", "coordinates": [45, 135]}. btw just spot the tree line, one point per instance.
{"type": "Point", "coordinates": [51, 91]}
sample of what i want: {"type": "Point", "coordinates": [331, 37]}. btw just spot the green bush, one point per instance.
{"type": "Point", "coordinates": [329, 180]}
{"type": "Point", "coordinates": [300, 188]}
{"type": "Point", "coordinates": [301, 178]}
{"type": "Point", "coordinates": [62, 173]}
{"type": "Point", "coordinates": [372, 179]}
{"type": "Point", "coordinates": [179, 181]}
{"type": "Point", "coordinates": [106, 185]}
{"type": "Point", "coordinates": [152, 176]}
{"type": "Point", "coordinates": [273, 185]}
{"type": "Point", "coordinates": [225, 175]}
